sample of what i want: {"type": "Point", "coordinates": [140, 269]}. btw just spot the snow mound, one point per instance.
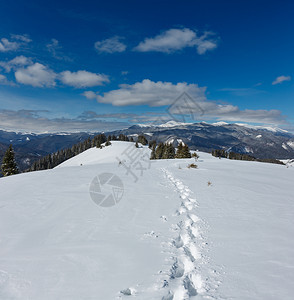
{"type": "Point", "coordinates": [109, 154]}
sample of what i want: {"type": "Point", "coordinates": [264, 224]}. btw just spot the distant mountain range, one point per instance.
{"type": "Point", "coordinates": [258, 141]}
{"type": "Point", "coordinates": [29, 147]}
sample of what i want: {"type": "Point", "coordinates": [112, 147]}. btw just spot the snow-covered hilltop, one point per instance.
{"type": "Point", "coordinates": [221, 231]}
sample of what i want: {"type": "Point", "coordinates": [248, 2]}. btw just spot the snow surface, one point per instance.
{"type": "Point", "coordinates": [268, 128]}
{"type": "Point", "coordinates": [168, 124]}
{"type": "Point", "coordinates": [220, 124]}
{"type": "Point", "coordinates": [288, 162]}
{"type": "Point", "coordinates": [221, 231]}
{"type": "Point", "coordinates": [291, 144]}
{"type": "Point", "coordinates": [173, 124]}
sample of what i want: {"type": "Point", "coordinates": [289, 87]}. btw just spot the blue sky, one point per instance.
{"type": "Point", "coordinates": [101, 65]}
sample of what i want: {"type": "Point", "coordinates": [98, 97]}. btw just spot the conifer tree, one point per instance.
{"type": "Point", "coordinates": [153, 156]}
{"type": "Point", "coordinates": [186, 152]}
{"type": "Point", "coordinates": [142, 140]}
{"type": "Point", "coordinates": [9, 166]}
{"type": "Point", "coordinates": [159, 151]}
{"type": "Point", "coordinates": [169, 151]}
{"type": "Point", "coordinates": [179, 151]}
{"type": "Point", "coordinates": [151, 143]}
{"type": "Point", "coordinates": [183, 151]}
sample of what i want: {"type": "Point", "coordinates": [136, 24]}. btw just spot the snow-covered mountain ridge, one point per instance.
{"type": "Point", "coordinates": [176, 123]}
{"type": "Point", "coordinates": [261, 142]}
{"type": "Point", "coordinates": [221, 231]}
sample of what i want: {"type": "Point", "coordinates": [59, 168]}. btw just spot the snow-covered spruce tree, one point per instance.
{"type": "Point", "coordinates": [159, 151]}
{"type": "Point", "coordinates": [9, 166]}
{"type": "Point", "coordinates": [183, 151]}
{"type": "Point", "coordinates": [169, 151]}
{"type": "Point", "coordinates": [186, 152]}
{"type": "Point", "coordinates": [153, 156]}
{"type": "Point", "coordinates": [179, 153]}
{"type": "Point", "coordinates": [142, 139]}
{"type": "Point", "coordinates": [151, 143]}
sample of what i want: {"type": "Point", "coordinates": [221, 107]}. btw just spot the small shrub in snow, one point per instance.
{"type": "Point", "coordinates": [195, 155]}
{"type": "Point", "coordinates": [193, 166]}
{"type": "Point", "coordinates": [127, 292]}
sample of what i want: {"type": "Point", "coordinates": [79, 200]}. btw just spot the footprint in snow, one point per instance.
{"type": "Point", "coordinates": [151, 234]}
{"type": "Point", "coordinates": [164, 218]}
{"type": "Point", "coordinates": [128, 292]}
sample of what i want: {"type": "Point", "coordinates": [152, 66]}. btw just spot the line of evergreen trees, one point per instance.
{"type": "Point", "coordinates": [160, 151]}
{"type": "Point", "coordinates": [52, 160]}
{"type": "Point", "coordinates": [239, 156]}
{"type": "Point", "coordinates": [168, 151]}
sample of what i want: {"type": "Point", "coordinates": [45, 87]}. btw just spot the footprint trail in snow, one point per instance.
{"type": "Point", "coordinates": [185, 276]}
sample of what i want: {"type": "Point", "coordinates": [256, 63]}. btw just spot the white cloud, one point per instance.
{"type": "Point", "coordinates": [183, 98]}
{"type": "Point", "coordinates": [53, 47]}
{"type": "Point", "coordinates": [13, 44]}
{"type": "Point", "coordinates": [89, 95]}
{"type": "Point", "coordinates": [149, 93]}
{"type": "Point", "coordinates": [110, 45]}
{"type": "Point", "coordinates": [281, 79]}
{"type": "Point", "coordinates": [36, 75]}
{"type": "Point", "coordinates": [21, 37]}
{"type": "Point", "coordinates": [82, 79]}
{"type": "Point", "coordinates": [15, 63]}
{"type": "Point", "coordinates": [5, 81]}
{"type": "Point", "coordinates": [177, 39]}
{"type": "Point", "coordinates": [6, 45]}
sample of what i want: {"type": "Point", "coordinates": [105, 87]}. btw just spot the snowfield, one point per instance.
{"type": "Point", "coordinates": [222, 231]}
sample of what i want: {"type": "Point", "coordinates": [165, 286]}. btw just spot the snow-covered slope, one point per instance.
{"type": "Point", "coordinates": [221, 231]}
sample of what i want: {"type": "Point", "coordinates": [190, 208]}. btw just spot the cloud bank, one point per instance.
{"type": "Point", "coordinates": [177, 39]}
{"type": "Point", "coordinates": [194, 102]}
{"type": "Point", "coordinates": [38, 75]}
{"type": "Point", "coordinates": [32, 121]}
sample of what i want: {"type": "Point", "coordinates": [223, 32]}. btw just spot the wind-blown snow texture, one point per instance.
{"type": "Point", "coordinates": [173, 235]}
